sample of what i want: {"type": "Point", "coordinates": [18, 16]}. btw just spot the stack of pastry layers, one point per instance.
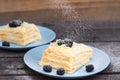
{"type": "Point", "coordinates": [22, 35]}
{"type": "Point", "coordinates": [69, 58]}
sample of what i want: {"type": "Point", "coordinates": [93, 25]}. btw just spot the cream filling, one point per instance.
{"type": "Point", "coordinates": [68, 69]}
{"type": "Point", "coordinates": [70, 65]}
{"type": "Point", "coordinates": [18, 37]}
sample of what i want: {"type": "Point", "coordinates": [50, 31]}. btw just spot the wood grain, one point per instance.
{"type": "Point", "coordinates": [27, 5]}
{"type": "Point", "coordinates": [59, 10]}
{"type": "Point", "coordinates": [41, 77]}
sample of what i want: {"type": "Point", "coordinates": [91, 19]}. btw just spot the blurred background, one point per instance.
{"type": "Point", "coordinates": [81, 20]}
{"type": "Point", "coordinates": [59, 10]}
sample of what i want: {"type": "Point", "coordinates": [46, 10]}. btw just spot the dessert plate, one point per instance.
{"type": "Point", "coordinates": [100, 60]}
{"type": "Point", "coordinates": [47, 36]}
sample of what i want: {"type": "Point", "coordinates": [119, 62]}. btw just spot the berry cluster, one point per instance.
{"type": "Point", "coordinates": [67, 42]}
{"type": "Point", "coordinates": [48, 68]}
{"type": "Point", "coordinates": [15, 23]}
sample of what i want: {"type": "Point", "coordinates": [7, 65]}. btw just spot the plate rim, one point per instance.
{"type": "Point", "coordinates": [68, 77]}
{"type": "Point", "coordinates": [29, 47]}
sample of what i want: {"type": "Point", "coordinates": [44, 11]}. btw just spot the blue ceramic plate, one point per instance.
{"type": "Point", "coordinates": [100, 60]}
{"type": "Point", "coordinates": [47, 36]}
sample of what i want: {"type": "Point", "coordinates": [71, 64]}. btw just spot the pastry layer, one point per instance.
{"type": "Point", "coordinates": [68, 58]}
{"type": "Point", "coordinates": [22, 35]}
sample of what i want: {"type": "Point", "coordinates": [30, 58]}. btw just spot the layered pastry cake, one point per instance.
{"type": "Point", "coordinates": [66, 54]}
{"type": "Point", "coordinates": [20, 32]}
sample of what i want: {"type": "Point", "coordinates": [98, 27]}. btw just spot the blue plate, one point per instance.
{"type": "Point", "coordinates": [47, 36]}
{"type": "Point", "coordinates": [100, 60]}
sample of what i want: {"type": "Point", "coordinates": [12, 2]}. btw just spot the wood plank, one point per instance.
{"type": "Point", "coordinates": [28, 5]}
{"type": "Point", "coordinates": [11, 54]}
{"type": "Point", "coordinates": [59, 10]}
{"type": "Point", "coordinates": [100, 14]}
{"type": "Point", "coordinates": [91, 0]}
{"type": "Point", "coordinates": [41, 77]}
{"type": "Point", "coordinates": [87, 31]}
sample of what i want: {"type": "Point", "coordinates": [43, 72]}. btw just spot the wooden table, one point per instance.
{"type": "Point", "coordinates": [104, 35]}
{"type": "Point", "coordinates": [57, 10]}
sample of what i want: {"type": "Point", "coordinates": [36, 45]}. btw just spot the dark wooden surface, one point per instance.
{"type": "Point", "coordinates": [101, 34]}
{"type": "Point", "coordinates": [59, 10]}
{"type": "Point", "coordinates": [30, 5]}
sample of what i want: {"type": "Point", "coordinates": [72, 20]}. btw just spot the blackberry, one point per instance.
{"type": "Point", "coordinates": [68, 42]}
{"type": "Point", "coordinates": [60, 71]}
{"type": "Point", "coordinates": [4, 43]}
{"type": "Point", "coordinates": [60, 42]}
{"type": "Point", "coordinates": [89, 68]}
{"type": "Point", "coordinates": [47, 68]}
{"type": "Point", "coordinates": [15, 23]}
